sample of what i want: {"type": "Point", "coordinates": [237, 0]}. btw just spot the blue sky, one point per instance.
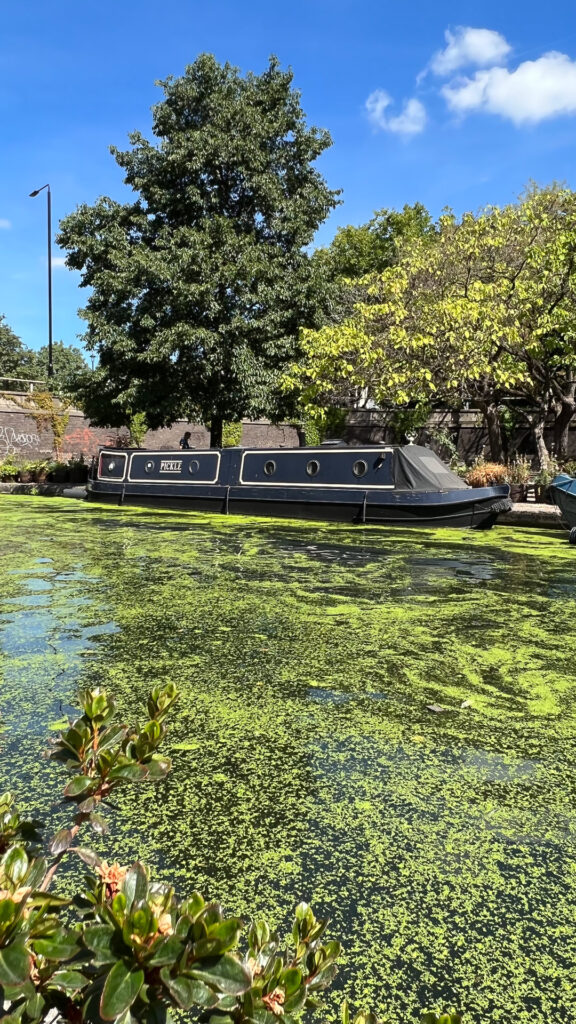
{"type": "Point", "coordinates": [458, 119]}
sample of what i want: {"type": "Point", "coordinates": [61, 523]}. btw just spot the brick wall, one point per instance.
{"type": "Point", "coordinates": [20, 435]}
{"type": "Point", "coordinates": [464, 426]}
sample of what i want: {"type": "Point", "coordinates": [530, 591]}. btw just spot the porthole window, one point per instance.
{"type": "Point", "coordinates": [360, 468]}
{"type": "Point", "coordinates": [313, 467]}
{"type": "Point", "coordinates": [193, 466]}
{"type": "Point", "coordinates": [111, 466]}
{"type": "Point", "coordinates": [149, 467]}
{"type": "Point", "coordinates": [270, 467]}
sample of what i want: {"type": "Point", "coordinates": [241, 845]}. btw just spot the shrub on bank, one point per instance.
{"type": "Point", "coordinates": [42, 470]}
{"type": "Point", "coordinates": [125, 948]}
{"type": "Point", "coordinates": [486, 474]}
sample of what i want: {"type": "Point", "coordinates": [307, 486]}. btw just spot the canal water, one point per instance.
{"type": "Point", "coordinates": [306, 763]}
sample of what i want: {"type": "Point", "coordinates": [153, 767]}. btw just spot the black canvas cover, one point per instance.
{"type": "Point", "coordinates": [419, 469]}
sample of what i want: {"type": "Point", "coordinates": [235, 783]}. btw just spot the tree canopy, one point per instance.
{"type": "Point", "coordinates": [19, 361]}
{"type": "Point", "coordinates": [486, 313]}
{"type": "Point", "coordinates": [15, 359]}
{"type": "Point", "coordinates": [199, 285]}
{"type": "Point", "coordinates": [372, 247]}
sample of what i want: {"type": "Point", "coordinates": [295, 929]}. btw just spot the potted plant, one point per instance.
{"type": "Point", "coordinates": [58, 472]}
{"type": "Point", "coordinates": [78, 470]}
{"type": "Point", "coordinates": [543, 479]}
{"type": "Point", "coordinates": [26, 472]}
{"type": "Point", "coordinates": [569, 467]}
{"type": "Point", "coordinates": [8, 470]}
{"type": "Point", "coordinates": [41, 470]}
{"type": "Point", "coordinates": [518, 475]}
{"type": "Point", "coordinates": [486, 474]}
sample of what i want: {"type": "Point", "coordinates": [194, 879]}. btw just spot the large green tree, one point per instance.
{"type": "Point", "coordinates": [25, 364]}
{"type": "Point", "coordinates": [357, 250]}
{"type": "Point", "coordinates": [15, 359]}
{"type": "Point", "coordinates": [68, 363]}
{"type": "Point", "coordinates": [199, 285]}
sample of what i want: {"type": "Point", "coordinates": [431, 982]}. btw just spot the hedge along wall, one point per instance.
{"type": "Point", "coordinates": [20, 435]}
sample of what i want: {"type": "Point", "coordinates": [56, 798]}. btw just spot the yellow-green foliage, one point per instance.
{"type": "Point", "coordinates": [231, 435]}
{"type": "Point", "coordinates": [485, 306]}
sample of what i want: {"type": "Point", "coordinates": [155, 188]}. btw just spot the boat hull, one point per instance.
{"type": "Point", "coordinates": [565, 500]}
{"type": "Point", "coordinates": [477, 508]}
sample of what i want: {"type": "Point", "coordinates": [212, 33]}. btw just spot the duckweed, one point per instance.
{"type": "Point", "coordinates": [307, 764]}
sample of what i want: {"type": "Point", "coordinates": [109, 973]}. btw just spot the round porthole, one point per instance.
{"type": "Point", "coordinates": [149, 467]}
{"type": "Point", "coordinates": [193, 466]}
{"type": "Point", "coordinates": [270, 467]}
{"type": "Point", "coordinates": [360, 468]}
{"type": "Point", "coordinates": [110, 466]}
{"type": "Point", "coordinates": [313, 467]}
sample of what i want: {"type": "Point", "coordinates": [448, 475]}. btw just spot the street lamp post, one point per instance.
{"type": "Point", "coordinates": [49, 213]}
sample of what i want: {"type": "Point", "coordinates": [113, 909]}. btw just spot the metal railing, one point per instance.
{"type": "Point", "coordinates": [24, 380]}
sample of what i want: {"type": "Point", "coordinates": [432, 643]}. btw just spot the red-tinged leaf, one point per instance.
{"type": "Point", "coordinates": [87, 805]}
{"type": "Point", "coordinates": [15, 864]}
{"type": "Point", "coordinates": [88, 856]}
{"type": "Point", "coordinates": [135, 885]}
{"type": "Point", "coordinates": [56, 947]}
{"type": "Point", "coordinates": [226, 973]}
{"type": "Point", "coordinates": [167, 951]}
{"type": "Point", "coordinates": [99, 824]}
{"type": "Point", "coordinates": [68, 981]}
{"type": "Point", "coordinates": [120, 990]}
{"type": "Point", "coordinates": [14, 964]}
{"type": "Point", "coordinates": [61, 842]}
{"type": "Point", "coordinates": [78, 785]}
{"type": "Point", "coordinates": [187, 992]}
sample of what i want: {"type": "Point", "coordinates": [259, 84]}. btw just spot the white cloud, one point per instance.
{"type": "Point", "coordinates": [410, 121]}
{"type": "Point", "coordinates": [479, 46]}
{"type": "Point", "coordinates": [5, 223]}
{"type": "Point", "coordinates": [535, 90]}
{"type": "Point", "coordinates": [58, 261]}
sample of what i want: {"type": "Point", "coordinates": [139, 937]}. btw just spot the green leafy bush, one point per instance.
{"type": "Point", "coordinates": [329, 424]}
{"type": "Point", "coordinates": [231, 435]}
{"type": "Point", "coordinates": [519, 470]}
{"type": "Point", "coordinates": [137, 428]}
{"type": "Point", "coordinates": [9, 469]}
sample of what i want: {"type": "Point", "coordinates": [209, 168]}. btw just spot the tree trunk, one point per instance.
{"type": "Point", "coordinates": [538, 424]}
{"type": "Point", "coordinates": [492, 421]}
{"type": "Point", "coordinates": [216, 427]}
{"type": "Point", "coordinates": [565, 411]}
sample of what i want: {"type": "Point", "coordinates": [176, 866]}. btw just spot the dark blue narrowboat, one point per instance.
{"type": "Point", "coordinates": [403, 486]}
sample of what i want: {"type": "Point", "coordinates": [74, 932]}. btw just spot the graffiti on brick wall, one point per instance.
{"type": "Point", "coordinates": [82, 441]}
{"type": "Point", "coordinates": [14, 442]}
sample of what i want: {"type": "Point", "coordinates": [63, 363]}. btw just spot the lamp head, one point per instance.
{"type": "Point", "coordinates": [32, 195]}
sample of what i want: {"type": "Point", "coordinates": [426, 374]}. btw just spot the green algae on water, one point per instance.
{"type": "Point", "coordinates": [306, 763]}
